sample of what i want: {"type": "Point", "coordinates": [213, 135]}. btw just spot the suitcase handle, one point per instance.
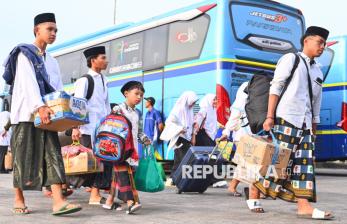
{"type": "Point", "coordinates": [220, 153]}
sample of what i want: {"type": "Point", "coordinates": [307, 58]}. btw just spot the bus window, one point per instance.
{"type": "Point", "coordinates": [155, 48]}
{"type": "Point", "coordinates": [70, 66]}
{"type": "Point", "coordinates": [325, 61]}
{"type": "Point", "coordinates": [266, 28]}
{"type": "Point", "coordinates": [126, 54]}
{"type": "Point", "coordinates": [186, 38]}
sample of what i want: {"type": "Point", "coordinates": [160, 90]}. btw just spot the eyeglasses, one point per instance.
{"type": "Point", "coordinates": [320, 43]}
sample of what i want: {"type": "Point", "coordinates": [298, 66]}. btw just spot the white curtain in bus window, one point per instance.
{"type": "Point", "coordinates": [70, 66]}
{"type": "Point", "coordinates": [155, 48]}
{"type": "Point", "coordinates": [267, 28]}
{"type": "Point", "coordinates": [186, 39]}
{"type": "Point", "coordinates": [126, 53]}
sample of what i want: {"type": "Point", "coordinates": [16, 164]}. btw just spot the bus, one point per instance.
{"type": "Point", "coordinates": [209, 47]}
{"type": "Point", "coordinates": [331, 143]}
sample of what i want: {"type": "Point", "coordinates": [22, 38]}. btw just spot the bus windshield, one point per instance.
{"type": "Point", "coordinates": [266, 28]}
{"type": "Point", "coordinates": [325, 61]}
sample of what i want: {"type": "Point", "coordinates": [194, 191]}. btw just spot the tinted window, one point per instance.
{"type": "Point", "coordinates": [155, 47]}
{"type": "Point", "coordinates": [186, 38]}
{"type": "Point", "coordinates": [70, 66]}
{"type": "Point", "coordinates": [126, 53]}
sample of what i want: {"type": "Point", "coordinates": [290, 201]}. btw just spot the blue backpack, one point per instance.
{"type": "Point", "coordinates": [113, 138]}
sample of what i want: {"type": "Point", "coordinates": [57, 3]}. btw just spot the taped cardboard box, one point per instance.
{"type": "Point", "coordinates": [255, 153]}
{"type": "Point", "coordinates": [83, 163]}
{"type": "Point", "coordinates": [69, 112]}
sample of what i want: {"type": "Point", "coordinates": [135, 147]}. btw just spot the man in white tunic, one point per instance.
{"type": "Point", "coordinates": [93, 87]}
{"type": "Point", "coordinates": [32, 73]}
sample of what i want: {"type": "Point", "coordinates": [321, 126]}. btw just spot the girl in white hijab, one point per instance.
{"type": "Point", "coordinates": [205, 127]}
{"type": "Point", "coordinates": [182, 116]}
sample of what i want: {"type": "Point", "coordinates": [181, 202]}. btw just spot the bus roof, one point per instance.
{"type": "Point", "coordinates": [175, 15]}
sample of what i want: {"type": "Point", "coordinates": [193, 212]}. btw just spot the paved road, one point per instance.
{"type": "Point", "coordinates": [214, 206]}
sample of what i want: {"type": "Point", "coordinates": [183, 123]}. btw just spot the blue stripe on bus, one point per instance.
{"type": "Point", "coordinates": [334, 88]}
{"type": "Point", "coordinates": [328, 127]}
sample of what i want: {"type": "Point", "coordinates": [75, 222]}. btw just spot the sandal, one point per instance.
{"type": "Point", "coordinates": [234, 194]}
{"type": "Point", "coordinates": [67, 192]}
{"type": "Point", "coordinates": [101, 202]}
{"type": "Point", "coordinates": [64, 210]}
{"type": "Point", "coordinates": [317, 215]}
{"type": "Point", "coordinates": [21, 211]}
{"type": "Point", "coordinates": [115, 205]}
{"type": "Point", "coordinates": [253, 204]}
{"type": "Point", "coordinates": [133, 208]}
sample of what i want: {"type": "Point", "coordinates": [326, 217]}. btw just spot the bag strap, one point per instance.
{"type": "Point", "coordinates": [289, 79]}
{"type": "Point", "coordinates": [90, 89]}
{"type": "Point", "coordinates": [309, 85]}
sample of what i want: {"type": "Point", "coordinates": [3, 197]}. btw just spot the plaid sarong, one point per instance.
{"type": "Point", "coordinates": [300, 182]}
{"type": "Point", "coordinates": [123, 182]}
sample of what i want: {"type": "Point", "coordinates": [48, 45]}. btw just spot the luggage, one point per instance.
{"type": "Point", "coordinates": [80, 160]}
{"type": "Point", "coordinates": [8, 161]}
{"type": "Point", "coordinates": [113, 139]}
{"type": "Point", "coordinates": [258, 96]}
{"type": "Point", "coordinates": [148, 176]}
{"type": "Point", "coordinates": [198, 156]}
{"type": "Point", "coordinates": [68, 111]}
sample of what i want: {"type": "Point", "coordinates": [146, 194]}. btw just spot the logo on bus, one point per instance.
{"type": "Point", "coordinates": [278, 18]}
{"type": "Point", "coordinates": [187, 37]}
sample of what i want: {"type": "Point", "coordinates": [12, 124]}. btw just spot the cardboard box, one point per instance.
{"type": "Point", "coordinates": [83, 163]}
{"type": "Point", "coordinates": [255, 153]}
{"type": "Point", "coordinates": [69, 112]}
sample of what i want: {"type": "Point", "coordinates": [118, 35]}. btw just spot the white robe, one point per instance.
{"type": "Point", "coordinates": [98, 105]}
{"type": "Point", "coordinates": [26, 97]}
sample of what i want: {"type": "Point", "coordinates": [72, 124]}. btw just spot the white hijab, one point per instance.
{"type": "Point", "coordinates": [182, 115]}
{"type": "Point", "coordinates": [206, 107]}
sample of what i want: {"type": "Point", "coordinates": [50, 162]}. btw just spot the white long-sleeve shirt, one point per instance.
{"type": "Point", "coordinates": [295, 106]}
{"type": "Point", "coordinates": [26, 97]}
{"type": "Point", "coordinates": [98, 106]}
{"type": "Point", "coordinates": [238, 122]}
{"type": "Point", "coordinates": [4, 116]}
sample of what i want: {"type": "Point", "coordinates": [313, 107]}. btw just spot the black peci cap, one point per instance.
{"type": "Point", "coordinates": [43, 18]}
{"type": "Point", "coordinates": [94, 51]}
{"type": "Point", "coordinates": [131, 85]}
{"type": "Point", "coordinates": [315, 30]}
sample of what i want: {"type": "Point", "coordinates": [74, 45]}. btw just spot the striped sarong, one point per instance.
{"type": "Point", "coordinates": [300, 182]}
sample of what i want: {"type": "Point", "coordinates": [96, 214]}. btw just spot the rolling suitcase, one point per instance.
{"type": "Point", "coordinates": [196, 156]}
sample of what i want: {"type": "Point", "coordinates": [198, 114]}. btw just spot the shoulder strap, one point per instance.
{"type": "Point", "coordinates": [309, 85]}
{"type": "Point", "coordinates": [289, 79]}
{"type": "Point", "coordinates": [90, 85]}
{"type": "Point", "coordinates": [295, 66]}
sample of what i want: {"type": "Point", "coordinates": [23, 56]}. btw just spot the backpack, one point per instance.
{"type": "Point", "coordinates": [113, 140]}
{"type": "Point", "coordinates": [258, 96]}
{"type": "Point", "coordinates": [90, 91]}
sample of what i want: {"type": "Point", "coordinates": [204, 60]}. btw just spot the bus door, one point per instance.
{"type": "Point", "coordinates": [153, 81]}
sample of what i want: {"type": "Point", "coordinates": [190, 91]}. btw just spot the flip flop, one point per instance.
{"type": "Point", "coordinates": [101, 202]}
{"type": "Point", "coordinates": [21, 211]}
{"type": "Point", "coordinates": [64, 210]}
{"type": "Point", "coordinates": [115, 206]}
{"type": "Point", "coordinates": [317, 215]}
{"type": "Point", "coordinates": [133, 208]}
{"type": "Point", "coordinates": [234, 194]}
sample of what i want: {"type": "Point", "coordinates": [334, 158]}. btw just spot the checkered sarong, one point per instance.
{"type": "Point", "coordinates": [301, 178]}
